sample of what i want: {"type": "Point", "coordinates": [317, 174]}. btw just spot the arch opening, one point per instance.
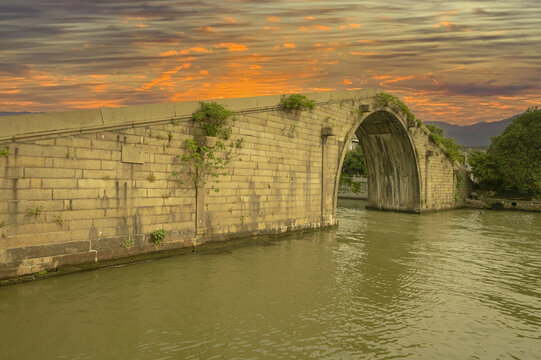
{"type": "Point", "coordinates": [393, 174]}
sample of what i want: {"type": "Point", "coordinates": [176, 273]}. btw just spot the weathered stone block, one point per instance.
{"type": "Point", "coordinates": [133, 154]}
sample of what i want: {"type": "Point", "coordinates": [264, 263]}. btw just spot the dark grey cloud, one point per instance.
{"type": "Point", "coordinates": [486, 89]}
{"type": "Point", "coordinates": [70, 40]}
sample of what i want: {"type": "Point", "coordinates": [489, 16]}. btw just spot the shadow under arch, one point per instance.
{"type": "Point", "coordinates": [393, 170]}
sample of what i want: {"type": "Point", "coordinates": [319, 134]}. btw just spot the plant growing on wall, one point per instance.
{"type": "Point", "coordinates": [4, 152]}
{"type": "Point", "coordinates": [201, 161]}
{"type": "Point", "coordinates": [213, 118]}
{"type": "Point", "coordinates": [296, 102]}
{"type": "Point", "coordinates": [450, 148]}
{"type": "Point", "coordinates": [158, 236]}
{"type": "Point", "coordinates": [384, 99]}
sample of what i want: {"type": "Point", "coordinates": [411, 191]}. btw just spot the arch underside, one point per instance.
{"type": "Point", "coordinates": [393, 177]}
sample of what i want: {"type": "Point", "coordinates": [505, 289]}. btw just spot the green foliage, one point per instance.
{"type": "Point", "coordinates": [512, 163]}
{"type": "Point", "coordinates": [35, 212]}
{"type": "Point", "coordinates": [202, 161]}
{"type": "Point", "coordinates": [450, 148]}
{"type": "Point", "coordinates": [435, 129]}
{"type": "Point", "coordinates": [384, 99]}
{"type": "Point", "coordinates": [127, 243]}
{"type": "Point", "coordinates": [59, 219]}
{"type": "Point", "coordinates": [459, 180]}
{"type": "Point", "coordinates": [346, 181]}
{"type": "Point", "coordinates": [158, 235]}
{"type": "Point", "coordinates": [354, 162]}
{"type": "Point", "coordinates": [296, 102]}
{"type": "Point", "coordinates": [213, 118]}
{"type": "Point", "coordinates": [4, 152]}
{"type": "Point", "coordinates": [199, 161]}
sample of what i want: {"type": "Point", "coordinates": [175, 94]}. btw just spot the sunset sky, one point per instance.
{"type": "Point", "coordinates": [455, 61]}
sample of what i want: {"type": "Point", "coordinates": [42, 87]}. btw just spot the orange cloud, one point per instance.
{"type": "Point", "coordinates": [14, 91]}
{"type": "Point", "coordinates": [273, 19]}
{"type": "Point", "coordinates": [398, 79]}
{"type": "Point", "coordinates": [364, 41]}
{"type": "Point", "coordinates": [290, 45]}
{"type": "Point", "coordinates": [169, 53]}
{"type": "Point", "coordinates": [320, 27]}
{"type": "Point", "coordinates": [231, 46]}
{"type": "Point", "coordinates": [309, 18]}
{"type": "Point", "coordinates": [99, 88]}
{"type": "Point", "coordinates": [315, 28]}
{"type": "Point", "coordinates": [447, 24]}
{"type": "Point", "coordinates": [347, 82]}
{"type": "Point", "coordinates": [204, 72]}
{"type": "Point", "coordinates": [255, 67]}
{"type": "Point", "coordinates": [230, 20]}
{"type": "Point", "coordinates": [322, 89]}
{"type": "Point", "coordinates": [165, 78]}
{"type": "Point", "coordinates": [93, 104]}
{"type": "Point", "coordinates": [352, 26]}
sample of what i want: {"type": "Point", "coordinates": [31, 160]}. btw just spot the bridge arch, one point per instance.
{"type": "Point", "coordinates": [394, 180]}
{"type": "Point", "coordinates": [102, 181]}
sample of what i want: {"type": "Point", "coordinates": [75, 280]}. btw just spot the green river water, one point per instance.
{"type": "Point", "coordinates": [450, 285]}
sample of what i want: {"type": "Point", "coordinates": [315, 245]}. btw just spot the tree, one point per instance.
{"type": "Point", "coordinates": [512, 163]}
{"type": "Point", "coordinates": [354, 163]}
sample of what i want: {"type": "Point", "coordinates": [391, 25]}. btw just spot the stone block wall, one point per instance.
{"type": "Point", "coordinates": [84, 187]}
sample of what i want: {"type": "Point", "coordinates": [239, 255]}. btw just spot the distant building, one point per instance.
{"type": "Point", "coordinates": [354, 143]}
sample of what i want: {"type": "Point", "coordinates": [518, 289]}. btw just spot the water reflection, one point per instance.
{"type": "Point", "coordinates": [456, 284]}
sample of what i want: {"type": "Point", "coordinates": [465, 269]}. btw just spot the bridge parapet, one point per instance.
{"type": "Point", "coordinates": [86, 187]}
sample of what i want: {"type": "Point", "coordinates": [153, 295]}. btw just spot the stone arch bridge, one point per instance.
{"type": "Point", "coordinates": [84, 188]}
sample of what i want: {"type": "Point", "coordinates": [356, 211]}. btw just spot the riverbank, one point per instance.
{"type": "Point", "coordinates": [504, 204]}
{"type": "Point", "coordinates": [353, 187]}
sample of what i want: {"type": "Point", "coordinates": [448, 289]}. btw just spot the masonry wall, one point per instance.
{"type": "Point", "coordinates": [84, 187]}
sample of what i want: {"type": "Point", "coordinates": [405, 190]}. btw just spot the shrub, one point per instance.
{"type": "Point", "coordinates": [450, 147]}
{"type": "Point", "coordinates": [158, 235]}
{"type": "Point", "coordinates": [296, 102]}
{"type": "Point", "coordinates": [213, 118]}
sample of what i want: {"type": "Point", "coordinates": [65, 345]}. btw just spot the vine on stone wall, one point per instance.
{"type": "Point", "coordinates": [200, 161]}
{"type": "Point", "coordinates": [383, 99]}
{"type": "Point", "coordinates": [449, 147]}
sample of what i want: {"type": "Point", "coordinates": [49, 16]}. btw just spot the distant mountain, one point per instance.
{"type": "Point", "coordinates": [473, 135]}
